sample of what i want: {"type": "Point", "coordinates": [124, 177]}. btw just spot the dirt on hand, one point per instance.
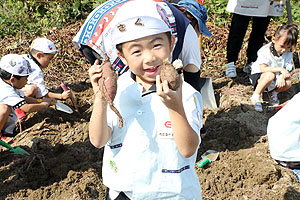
{"type": "Point", "coordinates": [64, 165]}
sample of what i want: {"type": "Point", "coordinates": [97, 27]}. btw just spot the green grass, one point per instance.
{"type": "Point", "coordinates": [36, 17]}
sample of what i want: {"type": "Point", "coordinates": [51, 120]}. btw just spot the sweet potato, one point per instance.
{"type": "Point", "coordinates": [108, 83]}
{"type": "Point", "coordinates": [169, 73]}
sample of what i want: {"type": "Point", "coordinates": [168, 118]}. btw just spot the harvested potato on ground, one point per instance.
{"type": "Point", "coordinates": [169, 73]}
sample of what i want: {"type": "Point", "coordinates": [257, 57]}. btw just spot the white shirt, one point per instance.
{"type": "Point", "coordinates": [256, 8]}
{"type": "Point", "coordinates": [13, 98]}
{"type": "Point", "coordinates": [190, 53]}
{"type": "Point", "coordinates": [36, 77]}
{"type": "Point", "coordinates": [141, 158]}
{"type": "Point", "coordinates": [284, 132]}
{"type": "Point", "coordinates": [265, 56]}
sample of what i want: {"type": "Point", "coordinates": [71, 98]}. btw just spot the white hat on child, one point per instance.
{"type": "Point", "coordinates": [15, 64]}
{"type": "Point", "coordinates": [44, 45]}
{"type": "Point", "coordinates": [138, 19]}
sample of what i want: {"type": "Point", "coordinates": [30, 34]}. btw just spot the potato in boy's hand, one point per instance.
{"type": "Point", "coordinates": [109, 78]}
{"type": "Point", "coordinates": [169, 73]}
{"type": "Point", "coordinates": [108, 86]}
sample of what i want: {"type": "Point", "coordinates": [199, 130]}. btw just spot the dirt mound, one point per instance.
{"type": "Point", "coordinates": [64, 165]}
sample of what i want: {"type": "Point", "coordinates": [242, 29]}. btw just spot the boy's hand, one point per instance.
{"type": "Point", "coordinates": [66, 94]}
{"type": "Point", "coordinates": [49, 100]}
{"type": "Point", "coordinates": [280, 82]}
{"type": "Point", "coordinates": [286, 74]}
{"type": "Point", "coordinates": [95, 73]}
{"type": "Point", "coordinates": [172, 99]}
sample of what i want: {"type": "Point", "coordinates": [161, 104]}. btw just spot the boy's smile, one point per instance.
{"type": "Point", "coordinates": [144, 56]}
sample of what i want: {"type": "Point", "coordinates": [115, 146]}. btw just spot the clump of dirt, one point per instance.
{"type": "Point", "coordinates": [64, 165]}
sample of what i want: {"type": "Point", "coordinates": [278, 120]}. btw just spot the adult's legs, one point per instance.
{"type": "Point", "coordinates": [257, 37]}
{"type": "Point", "coordinates": [238, 28]}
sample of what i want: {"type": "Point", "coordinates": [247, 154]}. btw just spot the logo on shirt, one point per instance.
{"type": "Point", "coordinates": [168, 124]}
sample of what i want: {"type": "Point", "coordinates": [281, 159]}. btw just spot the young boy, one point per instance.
{"type": "Point", "coordinates": [271, 69]}
{"type": "Point", "coordinates": [94, 35]}
{"type": "Point", "coordinates": [14, 71]}
{"type": "Point", "coordinates": [284, 134]}
{"type": "Point", "coordinates": [153, 156]}
{"type": "Point", "coordinates": [41, 53]}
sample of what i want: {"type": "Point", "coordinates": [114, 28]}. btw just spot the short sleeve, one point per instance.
{"type": "Point", "coordinates": [37, 78]}
{"type": "Point", "coordinates": [193, 108]}
{"type": "Point", "coordinates": [13, 99]}
{"type": "Point", "coordinates": [190, 53]}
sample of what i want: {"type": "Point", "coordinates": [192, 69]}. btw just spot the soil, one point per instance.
{"type": "Point", "coordinates": [64, 165]}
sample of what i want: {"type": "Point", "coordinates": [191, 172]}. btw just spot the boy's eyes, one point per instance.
{"type": "Point", "coordinates": [157, 45]}
{"type": "Point", "coordinates": [136, 52]}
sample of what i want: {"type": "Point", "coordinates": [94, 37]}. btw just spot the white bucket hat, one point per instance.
{"type": "Point", "coordinates": [138, 19]}
{"type": "Point", "coordinates": [44, 45]}
{"type": "Point", "coordinates": [15, 64]}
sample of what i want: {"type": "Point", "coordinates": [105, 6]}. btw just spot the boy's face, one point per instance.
{"type": "Point", "coordinates": [144, 56]}
{"type": "Point", "coordinates": [45, 59]}
{"type": "Point", "coordinates": [279, 44]}
{"type": "Point", "coordinates": [19, 83]}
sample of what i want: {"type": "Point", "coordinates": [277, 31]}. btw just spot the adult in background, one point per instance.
{"type": "Point", "coordinates": [243, 11]}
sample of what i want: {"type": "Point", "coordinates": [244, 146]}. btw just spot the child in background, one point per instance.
{"type": "Point", "coordinates": [153, 156]}
{"type": "Point", "coordinates": [14, 71]}
{"type": "Point", "coordinates": [41, 53]}
{"type": "Point", "coordinates": [272, 68]}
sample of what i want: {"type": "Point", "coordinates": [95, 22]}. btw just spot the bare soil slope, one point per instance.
{"type": "Point", "coordinates": [64, 165]}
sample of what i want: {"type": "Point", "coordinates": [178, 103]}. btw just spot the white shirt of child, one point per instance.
{"type": "Point", "coordinates": [188, 54]}
{"type": "Point", "coordinates": [256, 8]}
{"type": "Point", "coordinates": [36, 77]}
{"type": "Point", "coordinates": [141, 159]}
{"type": "Point", "coordinates": [284, 132]}
{"type": "Point", "coordinates": [13, 98]}
{"type": "Point", "coordinates": [265, 56]}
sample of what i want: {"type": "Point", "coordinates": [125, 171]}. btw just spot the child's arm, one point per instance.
{"type": "Point", "coordinates": [99, 131]}
{"type": "Point", "coordinates": [64, 95]}
{"type": "Point", "coordinates": [267, 68]}
{"type": "Point", "coordinates": [33, 106]}
{"type": "Point", "coordinates": [185, 137]}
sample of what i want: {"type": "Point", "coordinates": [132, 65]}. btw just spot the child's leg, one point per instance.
{"type": "Point", "coordinates": [4, 114]}
{"type": "Point", "coordinates": [30, 90]}
{"type": "Point", "coordinates": [264, 81]}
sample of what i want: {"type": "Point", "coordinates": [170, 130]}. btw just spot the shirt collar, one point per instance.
{"type": "Point", "coordinates": [273, 50]}
{"type": "Point", "coordinates": [152, 89]}
{"type": "Point", "coordinates": [30, 56]}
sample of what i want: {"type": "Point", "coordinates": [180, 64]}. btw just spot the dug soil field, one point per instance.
{"type": "Point", "coordinates": [64, 165]}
